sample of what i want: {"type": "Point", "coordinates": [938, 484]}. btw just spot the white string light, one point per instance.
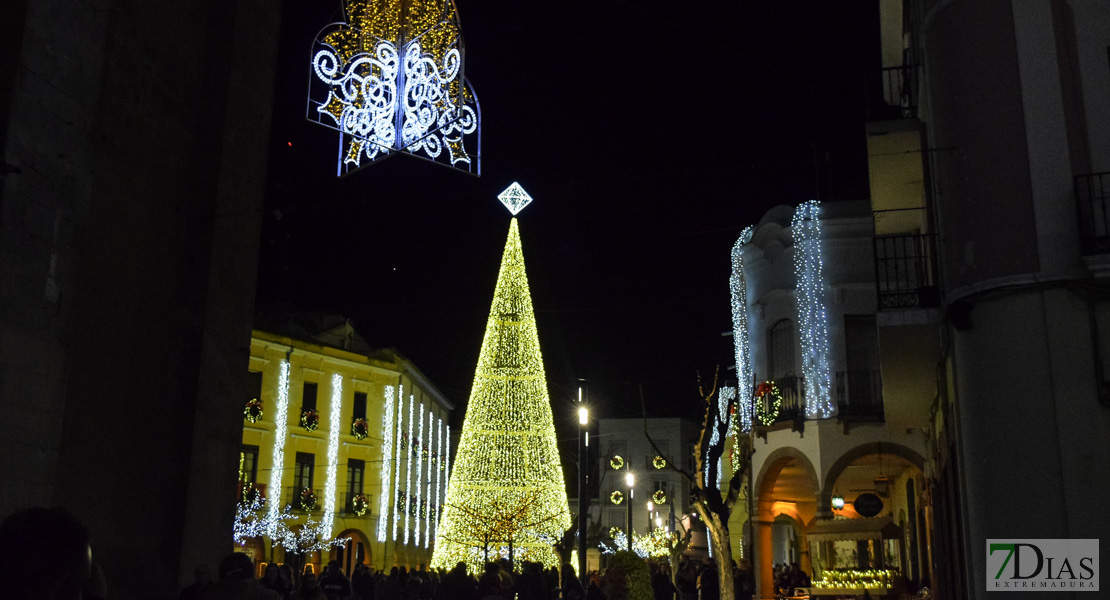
{"type": "Point", "coordinates": [278, 454]}
{"type": "Point", "coordinates": [333, 455]}
{"type": "Point", "coordinates": [387, 465]}
{"type": "Point", "coordinates": [408, 471]}
{"type": "Point", "coordinates": [417, 450]}
{"type": "Point", "coordinates": [446, 470]}
{"type": "Point", "coordinates": [426, 454]}
{"type": "Point", "coordinates": [397, 468]}
{"type": "Point", "coordinates": [808, 269]}
{"type": "Point", "coordinates": [738, 285]}
{"type": "Point", "coordinates": [439, 471]}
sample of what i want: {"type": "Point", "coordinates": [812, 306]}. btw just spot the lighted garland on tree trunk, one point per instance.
{"type": "Point", "coordinates": [768, 403]}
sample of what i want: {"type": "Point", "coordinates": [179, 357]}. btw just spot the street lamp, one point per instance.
{"type": "Point", "coordinates": [628, 511]}
{"type": "Point", "coordinates": [583, 447]}
{"type": "Point", "coordinates": [651, 508]}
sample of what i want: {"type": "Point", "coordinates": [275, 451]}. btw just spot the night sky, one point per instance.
{"type": "Point", "coordinates": [649, 134]}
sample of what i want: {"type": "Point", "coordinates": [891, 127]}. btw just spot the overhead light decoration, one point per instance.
{"type": "Point", "coordinates": [738, 286]}
{"type": "Point", "coordinates": [278, 454]}
{"type": "Point", "coordinates": [808, 269]}
{"type": "Point", "coordinates": [514, 198]}
{"type": "Point", "coordinates": [391, 79]}
{"type": "Point", "coordinates": [508, 456]}
{"type": "Point", "coordinates": [387, 465]}
{"type": "Point", "coordinates": [333, 454]}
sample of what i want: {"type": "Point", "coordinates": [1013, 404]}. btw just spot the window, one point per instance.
{"type": "Point", "coordinates": [616, 517]}
{"type": "Point", "coordinates": [255, 389]}
{"type": "Point", "coordinates": [302, 472]}
{"type": "Point", "coordinates": [360, 406]}
{"type": "Point", "coordinates": [356, 471]}
{"type": "Point", "coordinates": [308, 396]}
{"type": "Point", "coordinates": [780, 359]}
{"type": "Point", "coordinates": [248, 464]}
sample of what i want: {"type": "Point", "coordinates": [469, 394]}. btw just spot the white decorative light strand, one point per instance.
{"type": "Point", "coordinates": [408, 471]}
{"type": "Point", "coordinates": [333, 455]}
{"type": "Point", "coordinates": [812, 316]}
{"type": "Point", "coordinates": [387, 465]}
{"type": "Point", "coordinates": [418, 450]}
{"type": "Point", "coordinates": [738, 286]}
{"type": "Point", "coordinates": [278, 454]}
{"type": "Point", "coordinates": [446, 469]}
{"type": "Point", "coordinates": [440, 479]}
{"type": "Point", "coordinates": [724, 398]}
{"type": "Point", "coordinates": [397, 509]}
{"type": "Point", "coordinates": [427, 457]}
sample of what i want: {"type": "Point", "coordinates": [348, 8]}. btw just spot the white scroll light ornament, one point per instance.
{"type": "Point", "coordinates": [406, 93]}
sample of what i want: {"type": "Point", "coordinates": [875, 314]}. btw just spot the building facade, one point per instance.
{"type": "Point", "coordinates": [354, 439]}
{"type": "Point", "coordinates": [838, 423]}
{"type": "Point", "coordinates": [624, 450]}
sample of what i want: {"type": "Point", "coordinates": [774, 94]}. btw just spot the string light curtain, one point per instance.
{"type": "Point", "coordinates": [812, 314]}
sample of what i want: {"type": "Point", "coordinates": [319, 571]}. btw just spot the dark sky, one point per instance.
{"type": "Point", "coordinates": [649, 133]}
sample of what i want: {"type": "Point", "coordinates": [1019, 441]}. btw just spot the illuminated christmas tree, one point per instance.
{"type": "Point", "coordinates": [506, 491]}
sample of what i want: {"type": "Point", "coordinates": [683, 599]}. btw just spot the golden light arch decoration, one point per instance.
{"type": "Point", "coordinates": [391, 79]}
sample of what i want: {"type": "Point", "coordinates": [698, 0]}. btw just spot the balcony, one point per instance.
{"type": "Point", "coordinates": [893, 93]}
{"type": "Point", "coordinates": [349, 509]}
{"type": "Point", "coordinates": [249, 491]}
{"type": "Point", "coordinates": [293, 497]}
{"type": "Point", "coordinates": [793, 390]}
{"type": "Point", "coordinates": [906, 271]}
{"type": "Point", "coordinates": [859, 395]}
{"type": "Point", "coordinates": [1092, 196]}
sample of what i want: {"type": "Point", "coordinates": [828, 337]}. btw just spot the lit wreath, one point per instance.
{"type": "Point", "coordinates": [253, 410]}
{"type": "Point", "coordinates": [616, 462]}
{"type": "Point", "coordinates": [616, 497]}
{"type": "Point", "coordinates": [659, 462]}
{"type": "Point", "coordinates": [360, 428]}
{"type": "Point", "coordinates": [660, 497]}
{"type": "Point", "coordinates": [308, 499]}
{"type": "Point", "coordinates": [767, 393]}
{"type": "Point", "coordinates": [310, 420]}
{"type": "Point", "coordinates": [360, 505]}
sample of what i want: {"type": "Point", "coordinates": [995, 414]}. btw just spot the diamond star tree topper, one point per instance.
{"type": "Point", "coordinates": [506, 495]}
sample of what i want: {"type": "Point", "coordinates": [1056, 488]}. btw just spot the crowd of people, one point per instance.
{"type": "Point", "coordinates": [695, 580]}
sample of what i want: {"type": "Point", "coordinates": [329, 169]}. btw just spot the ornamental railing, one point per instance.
{"type": "Point", "coordinates": [859, 393]}
{"type": "Point", "coordinates": [1092, 196]}
{"type": "Point", "coordinates": [793, 390]}
{"type": "Point", "coordinates": [248, 491]}
{"type": "Point", "coordinates": [349, 508]}
{"type": "Point", "coordinates": [893, 93]}
{"type": "Point", "coordinates": [293, 497]}
{"type": "Point", "coordinates": [906, 271]}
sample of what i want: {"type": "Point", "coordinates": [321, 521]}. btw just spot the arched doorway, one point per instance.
{"type": "Point", "coordinates": [356, 551]}
{"type": "Point", "coordinates": [786, 504]}
{"type": "Point", "coordinates": [879, 525]}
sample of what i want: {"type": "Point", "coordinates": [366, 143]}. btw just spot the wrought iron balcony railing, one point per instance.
{"type": "Point", "coordinates": [793, 390]}
{"type": "Point", "coordinates": [1092, 196]}
{"type": "Point", "coordinates": [906, 271]}
{"type": "Point", "coordinates": [859, 393]}
{"type": "Point", "coordinates": [893, 93]}
{"type": "Point", "coordinates": [304, 500]}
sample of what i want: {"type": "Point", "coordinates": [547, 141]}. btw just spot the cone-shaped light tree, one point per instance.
{"type": "Point", "coordinates": [506, 491]}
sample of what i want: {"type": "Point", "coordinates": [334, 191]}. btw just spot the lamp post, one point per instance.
{"type": "Point", "coordinates": [583, 447]}
{"type": "Point", "coordinates": [628, 511]}
{"type": "Point", "coordinates": [651, 508]}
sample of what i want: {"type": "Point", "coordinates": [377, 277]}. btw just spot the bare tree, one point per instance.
{"type": "Point", "coordinates": [712, 506]}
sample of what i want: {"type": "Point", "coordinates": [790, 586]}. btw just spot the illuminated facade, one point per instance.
{"type": "Point", "coordinates": [362, 440]}
{"type": "Point", "coordinates": [828, 417]}
{"type": "Point", "coordinates": [391, 79]}
{"type": "Point", "coordinates": [506, 493]}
